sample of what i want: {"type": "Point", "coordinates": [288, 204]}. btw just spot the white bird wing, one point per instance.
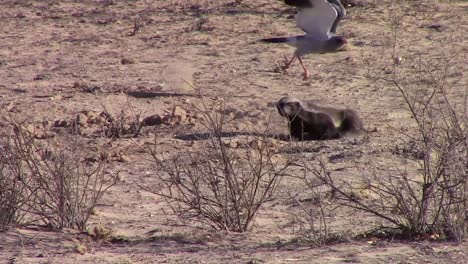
{"type": "Point", "coordinates": [318, 19]}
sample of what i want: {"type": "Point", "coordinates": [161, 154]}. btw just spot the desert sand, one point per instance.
{"type": "Point", "coordinates": [60, 59]}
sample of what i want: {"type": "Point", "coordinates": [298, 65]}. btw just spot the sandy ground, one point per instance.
{"type": "Point", "coordinates": [61, 58]}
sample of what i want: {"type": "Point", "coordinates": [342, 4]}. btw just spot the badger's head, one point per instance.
{"type": "Point", "coordinates": [289, 106]}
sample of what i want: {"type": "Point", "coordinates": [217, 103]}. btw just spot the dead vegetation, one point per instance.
{"type": "Point", "coordinates": [433, 204]}
{"type": "Point", "coordinates": [216, 177]}
{"type": "Point", "coordinates": [48, 183]}
{"type": "Point", "coordinates": [216, 185]}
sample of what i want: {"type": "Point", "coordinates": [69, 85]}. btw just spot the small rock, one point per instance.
{"type": "Point", "coordinates": [94, 211]}
{"type": "Point", "coordinates": [244, 126]}
{"type": "Point", "coordinates": [153, 120]}
{"type": "Point", "coordinates": [108, 117]}
{"type": "Point", "coordinates": [20, 15]}
{"type": "Point", "coordinates": [255, 113]}
{"type": "Point", "coordinates": [40, 77]}
{"type": "Point", "coordinates": [120, 177]}
{"type": "Point", "coordinates": [92, 117]}
{"type": "Point", "coordinates": [31, 128]}
{"type": "Point", "coordinates": [62, 123]}
{"type": "Point", "coordinates": [399, 60]}
{"type": "Point", "coordinates": [38, 131]}
{"type": "Point", "coordinates": [56, 97]}
{"type": "Point", "coordinates": [239, 114]}
{"type": "Point", "coordinates": [235, 143]}
{"type": "Point", "coordinates": [99, 120]}
{"type": "Point", "coordinates": [388, 71]}
{"type": "Point", "coordinates": [121, 157]}
{"type": "Point", "coordinates": [82, 119]}
{"type": "Point", "coordinates": [80, 84]}
{"type": "Point", "coordinates": [437, 27]}
{"type": "Point", "coordinates": [86, 88]}
{"type": "Point", "coordinates": [191, 120]}
{"type": "Point", "coordinates": [104, 156]}
{"type": "Point", "coordinates": [179, 113]}
{"type": "Point", "coordinates": [81, 249]}
{"type": "Point", "coordinates": [226, 143]}
{"type": "Point", "coordinates": [90, 114]}
{"type": "Point", "coordinates": [92, 158]}
{"type": "Point", "coordinates": [11, 107]}
{"type": "Point", "coordinates": [359, 43]}
{"type": "Point", "coordinates": [167, 119]}
{"type": "Point", "coordinates": [126, 61]}
{"type": "Point", "coordinates": [350, 59]}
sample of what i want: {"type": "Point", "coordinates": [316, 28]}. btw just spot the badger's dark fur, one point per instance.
{"type": "Point", "coordinates": [317, 122]}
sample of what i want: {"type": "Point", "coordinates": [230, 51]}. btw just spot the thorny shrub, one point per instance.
{"type": "Point", "coordinates": [49, 181]}
{"type": "Point", "coordinates": [431, 203]}
{"type": "Point", "coordinates": [218, 185]}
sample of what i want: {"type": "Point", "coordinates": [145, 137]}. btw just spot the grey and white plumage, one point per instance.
{"type": "Point", "coordinates": [319, 19]}
{"type": "Point", "coordinates": [341, 13]}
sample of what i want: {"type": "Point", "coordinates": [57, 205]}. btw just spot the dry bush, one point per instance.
{"type": "Point", "coordinates": [126, 123]}
{"type": "Point", "coordinates": [123, 126]}
{"type": "Point", "coordinates": [431, 203]}
{"type": "Point", "coordinates": [138, 23]}
{"type": "Point", "coordinates": [51, 180]}
{"type": "Point", "coordinates": [437, 202]}
{"type": "Point", "coordinates": [100, 233]}
{"type": "Point", "coordinates": [310, 213]}
{"type": "Point", "coordinates": [217, 185]}
{"type": "Point", "coordinates": [11, 200]}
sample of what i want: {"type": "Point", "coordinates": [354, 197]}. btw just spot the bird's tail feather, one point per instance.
{"type": "Point", "coordinates": [277, 40]}
{"type": "Point", "coordinates": [288, 40]}
{"type": "Point", "coordinates": [298, 3]}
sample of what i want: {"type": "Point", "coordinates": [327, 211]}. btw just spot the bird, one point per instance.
{"type": "Point", "coordinates": [319, 19]}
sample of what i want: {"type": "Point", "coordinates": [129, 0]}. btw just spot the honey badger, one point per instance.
{"type": "Point", "coordinates": [318, 122]}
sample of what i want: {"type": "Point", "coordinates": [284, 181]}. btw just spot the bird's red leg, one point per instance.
{"type": "Point", "coordinates": [287, 63]}
{"type": "Point", "coordinates": [306, 72]}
